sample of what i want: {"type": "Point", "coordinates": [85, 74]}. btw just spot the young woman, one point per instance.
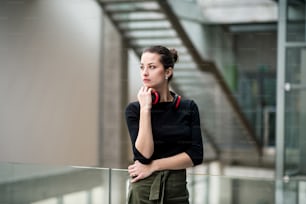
{"type": "Point", "coordinates": [166, 136]}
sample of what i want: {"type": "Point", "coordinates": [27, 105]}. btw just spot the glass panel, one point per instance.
{"type": "Point", "coordinates": [119, 185]}
{"type": "Point", "coordinates": [291, 133]}
{"type": "Point", "coordinates": [296, 21]}
{"type": "Point", "coordinates": [97, 195]}
{"type": "Point", "coordinates": [21, 183]}
{"type": "Point", "coordinates": [293, 65]}
{"type": "Point", "coordinates": [295, 112]}
{"type": "Point", "coordinates": [76, 197]}
{"type": "Point", "coordinates": [53, 185]}
{"type": "Point", "coordinates": [47, 201]}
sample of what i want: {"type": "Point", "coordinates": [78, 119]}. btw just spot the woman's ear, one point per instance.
{"type": "Point", "coordinates": [169, 72]}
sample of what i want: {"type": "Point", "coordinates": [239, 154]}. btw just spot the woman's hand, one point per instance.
{"type": "Point", "coordinates": [144, 97]}
{"type": "Point", "coordinates": [139, 171]}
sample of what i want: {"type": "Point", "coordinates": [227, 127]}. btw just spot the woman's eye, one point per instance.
{"type": "Point", "coordinates": [149, 67]}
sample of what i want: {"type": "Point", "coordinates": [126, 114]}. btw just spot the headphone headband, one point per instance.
{"type": "Point", "coordinates": [176, 100]}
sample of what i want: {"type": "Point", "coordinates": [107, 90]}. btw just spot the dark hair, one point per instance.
{"type": "Point", "coordinates": [168, 57]}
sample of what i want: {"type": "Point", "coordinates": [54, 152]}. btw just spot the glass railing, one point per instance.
{"type": "Point", "coordinates": [42, 184]}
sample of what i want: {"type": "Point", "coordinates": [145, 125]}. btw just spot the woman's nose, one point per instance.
{"type": "Point", "coordinates": [145, 71]}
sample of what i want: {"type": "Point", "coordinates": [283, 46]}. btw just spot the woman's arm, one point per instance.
{"type": "Point", "coordinates": [176, 162]}
{"type": "Point", "coordinates": [144, 142]}
{"type": "Point", "coordinates": [140, 171]}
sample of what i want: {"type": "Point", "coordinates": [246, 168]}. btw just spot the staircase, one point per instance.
{"type": "Point", "coordinates": [227, 134]}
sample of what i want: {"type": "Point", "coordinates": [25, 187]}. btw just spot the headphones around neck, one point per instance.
{"type": "Point", "coordinates": [176, 99]}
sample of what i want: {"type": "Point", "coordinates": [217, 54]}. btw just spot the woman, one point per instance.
{"type": "Point", "coordinates": [166, 137]}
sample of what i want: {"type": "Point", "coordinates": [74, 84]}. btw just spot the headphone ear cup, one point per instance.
{"type": "Point", "coordinates": [155, 97]}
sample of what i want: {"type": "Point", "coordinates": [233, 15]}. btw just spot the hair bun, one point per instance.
{"type": "Point", "coordinates": [174, 54]}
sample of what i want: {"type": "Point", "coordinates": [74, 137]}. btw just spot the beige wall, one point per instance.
{"type": "Point", "coordinates": [114, 140]}
{"type": "Point", "coordinates": [49, 81]}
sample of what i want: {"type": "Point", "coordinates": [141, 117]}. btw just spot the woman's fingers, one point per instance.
{"type": "Point", "coordinates": [146, 89]}
{"type": "Point", "coordinates": [132, 170]}
{"type": "Point", "coordinates": [135, 179]}
{"type": "Point", "coordinates": [144, 97]}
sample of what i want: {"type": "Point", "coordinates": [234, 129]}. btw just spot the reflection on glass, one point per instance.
{"type": "Point", "coordinates": [295, 112]}
{"type": "Point", "coordinates": [296, 21]}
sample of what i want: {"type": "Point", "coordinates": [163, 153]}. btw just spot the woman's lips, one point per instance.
{"type": "Point", "coordinates": [146, 80]}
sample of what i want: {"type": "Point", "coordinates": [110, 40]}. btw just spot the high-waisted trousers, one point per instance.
{"type": "Point", "coordinates": [162, 187]}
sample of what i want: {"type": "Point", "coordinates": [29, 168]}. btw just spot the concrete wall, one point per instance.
{"type": "Point", "coordinates": [114, 140]}
{"type": "Point", "coordinates": [49, 81]}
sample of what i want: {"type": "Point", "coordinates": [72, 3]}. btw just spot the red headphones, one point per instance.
{"type": "Point", "coordinates": [176, 99]}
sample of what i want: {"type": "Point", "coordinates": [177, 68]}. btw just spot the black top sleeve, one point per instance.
{"type": "Point", "coordinates": [195, 151]}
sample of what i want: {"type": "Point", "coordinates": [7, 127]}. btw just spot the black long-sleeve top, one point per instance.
{"type": "Point", "coordinates": [174, 130]}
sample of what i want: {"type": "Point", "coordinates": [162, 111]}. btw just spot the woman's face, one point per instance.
{"type": "Point", "coordinates": [152, 70]}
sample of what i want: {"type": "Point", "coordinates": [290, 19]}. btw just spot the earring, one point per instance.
{"type": "Point", "coordinates": [166, 77]}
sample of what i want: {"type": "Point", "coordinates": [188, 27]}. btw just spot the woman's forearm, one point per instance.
{"type": "Point", "coordinates": [176, 162]}
{"type": "Point", "coordinates": [144, 142]}
{"type": "Point", "coordinates": [140, 171]}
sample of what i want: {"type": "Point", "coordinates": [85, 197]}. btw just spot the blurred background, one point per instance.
{"type": "Point", "coordinates": [69, 68]}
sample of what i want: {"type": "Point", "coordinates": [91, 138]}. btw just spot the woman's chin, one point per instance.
{"type": "Point", "coordinates": [147, 84]}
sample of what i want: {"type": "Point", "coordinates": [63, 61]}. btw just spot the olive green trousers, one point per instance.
{"type": "Point", "coordinates": [163, 187]}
